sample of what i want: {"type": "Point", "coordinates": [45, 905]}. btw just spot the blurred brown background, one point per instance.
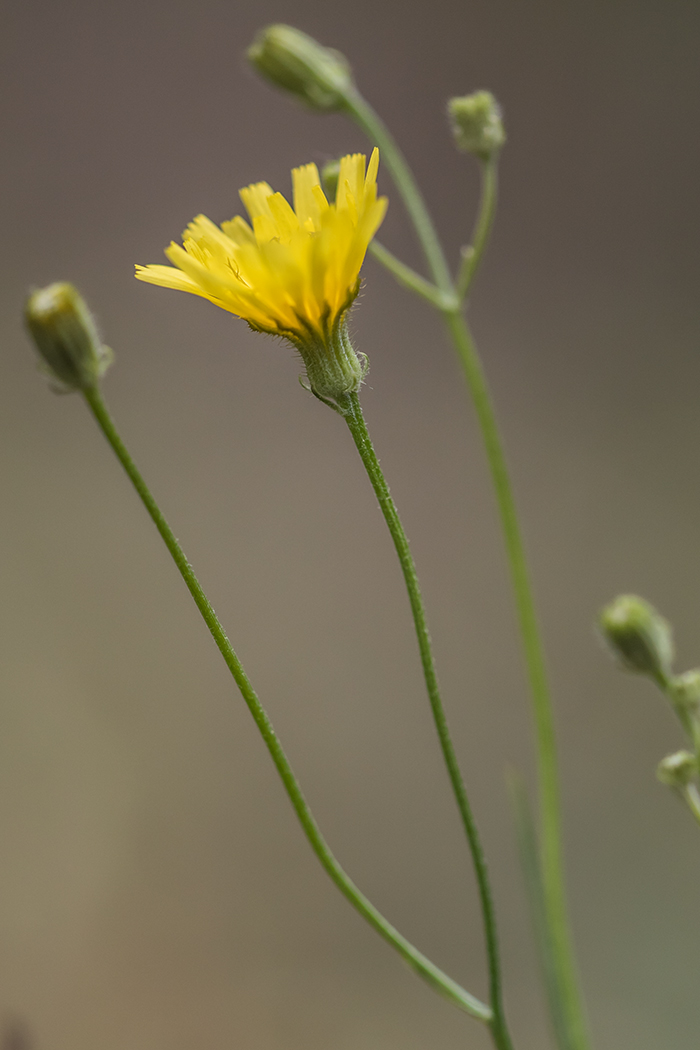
{"type": "Point", "coordinates": [155, 891]}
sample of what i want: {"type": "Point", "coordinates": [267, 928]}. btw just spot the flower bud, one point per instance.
{"type": "Point", "coordinates": [476, 124]}
{"type": "Point", "coordinates": [638, 635]}
{"type": "Point", "coordinates": [686, 689]}
{"type": "Point", "coordinates": [290, 59]}
{"type": "Point", "coordinates": [330, 173]}
{"type": "Point", "coordinates": [65, 334]}
{"type": "Point", "coordinates": [677, 770]}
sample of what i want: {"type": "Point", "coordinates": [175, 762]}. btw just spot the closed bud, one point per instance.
{"type": "Point", "coordinates": [686, 689]}
{"type": "Point", "coordinates": [65, 334]}
{"type": "Point", "coordinates": [477, 124]}
{"type": "Point", "coordinates": [638, 635]}
{"type": "Point", "coordinates": [677, 770]}
{"type": "Point", "coordinates": [290, 59]}
{"type": "Point", "coordinates": [330, 173]}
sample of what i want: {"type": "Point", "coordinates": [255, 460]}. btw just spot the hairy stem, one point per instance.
{"type": "Point", "coordinates": [549, 802]}
{"type": "Point", "coordinates": [422, 965]}
{"type": "Point", "coordinates": [349, 405]}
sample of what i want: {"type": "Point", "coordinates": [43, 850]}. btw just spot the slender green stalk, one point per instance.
{"type": "Point", "coordinates": [472, 255]}
{"type": "Point", "coordinates": [362, 113]}
{"type": "Point", "coordinates": [692, 799]}
{"type": "Point", "coordinates": [409, 278]}
{"type": "Point", "coordinates": [532, 873]}
{"type": "Point", "coordinates": [689, 721]}
{"type": "Point", "coordinates": [552, 861]}
{"type": "Point", "coordinates": [671, 687]}
{"type": "Point", "coordinates": [549, 802]}
{"type": "Point", "coordinates": [349, 406]}
{"type": "Point", "coordinates": [416, 960]}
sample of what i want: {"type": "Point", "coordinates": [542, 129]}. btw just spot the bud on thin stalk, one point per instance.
{"type": "Point", "coordinates": [639, 636]}
{"type": "Point", "coordinates": [477, 124]}
{"type": "Point", "coordinates": [684, 694]}
{"type": "Point", "coordinates": [65, 334]}
{"type": "Point", "coordinates": [686, 690]}
{"type": "Point", "coordinates": [677, 770]}
{"type": "Point", "coordinates": [319, 76]}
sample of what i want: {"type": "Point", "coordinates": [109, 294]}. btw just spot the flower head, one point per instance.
{"type": "Point", "coordinates": [297, 269]}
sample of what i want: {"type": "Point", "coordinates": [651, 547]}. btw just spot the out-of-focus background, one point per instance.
{"type": "Point", "coordinates": [155, 890]}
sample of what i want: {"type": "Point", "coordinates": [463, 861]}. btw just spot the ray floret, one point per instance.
{"type": "Point", "coordinates": [289, 270]}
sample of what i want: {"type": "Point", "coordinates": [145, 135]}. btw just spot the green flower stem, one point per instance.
{"type": "Point", "coordinates": [349, 405]}
{"type": "Point", "coordinates": [689, 723]}
{"type": "Point", "coordinates": [471, 256]}
{"type": "Point", "coordinates": [691, 726]}
{"type": "Point", "coordinates": [532, 872]}
{"type": "Point", "coordinates": [552, 863]}
{"type": "Point", "coordinates": [416, 960]}
{"type": "Point", "coordinates": [409, 278]}
{"type": "Point", "coordinates": [362, 113]}
{"type": "Point", "coordinates": [692, 799]}
{"type": "Point", "coordinates": [549, 804]}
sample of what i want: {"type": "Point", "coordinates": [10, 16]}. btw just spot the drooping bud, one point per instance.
{"type": "Point", "coordinates": [638, 635]}
{"type": "Point", "coordinates": [477, 124]}
{"type": "Point", "coordinates": [330, 173]}
{"type": "Point", "coordinates": [65, 334]}
{"type": "Point", "coordinates": [677, 770]}
{"type": "Point", "coordinates": [319, 76]}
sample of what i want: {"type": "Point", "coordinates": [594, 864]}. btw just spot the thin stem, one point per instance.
{"type": "Point", "coordinates": [530, 862]}
{"type": "Point", "coordinates": [409, 278]}
{"type": "Point", "coordinates": [422, 965]}
{"type": "Point", "coordinates": [672, 690]}
{"type": "Point", "coordinates": [349, 405]}
{"type": "Point", "coordinates": [359, 109]}
{"type": "Point", "coordinates": [549, 804]}
{"type": "Point", "coordinates": [471, 257]}
{"type": "Point", "coordinates": [552, 862]}
{"type": "Point", "coordinates": [689, 721]}
{"type": "Point", "coordinates": [692, 798]}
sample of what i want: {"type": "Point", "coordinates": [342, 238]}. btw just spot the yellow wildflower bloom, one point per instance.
{"type": "Point", "coordinates": [296, 272]}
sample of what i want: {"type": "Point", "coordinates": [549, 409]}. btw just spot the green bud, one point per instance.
{"type": "Point", "coordinates": [638, 635]}
{"type": "Point", "coordinates": [677, 770]}
{"type": "Point", "coordinates": [66, 337]}
{"type": "Point", "coordinates": [476, 124]}
{"type": "Point", "coordinates": [686, 689]}
{"type": "Point", "coordinates": [290, 59]}
{"type": "Point", "coordinates": [330, 173]}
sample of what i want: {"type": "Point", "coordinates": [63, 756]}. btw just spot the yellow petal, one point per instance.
{"type": "Point", "coordinates": [297, 267]}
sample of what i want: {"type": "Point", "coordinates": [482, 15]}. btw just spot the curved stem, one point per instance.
{"type": "Point", "coordinates": [549, 804]}
{"type": "Point", "coordinates": [482, 230]}
{"type": "Point", "coordinates": [552, 863]}
{"type": "Point", "coordinates": [422, 965]}
{"type": "Point", "coordinates": [409, 278]}
{"type": "Point", "coordinates": [360, 111]}
{"type": "Point", "coordinates": [349, 405]}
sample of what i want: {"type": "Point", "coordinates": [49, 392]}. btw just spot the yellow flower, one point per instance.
{"type": "Point", "coordinates": [296, 272]}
